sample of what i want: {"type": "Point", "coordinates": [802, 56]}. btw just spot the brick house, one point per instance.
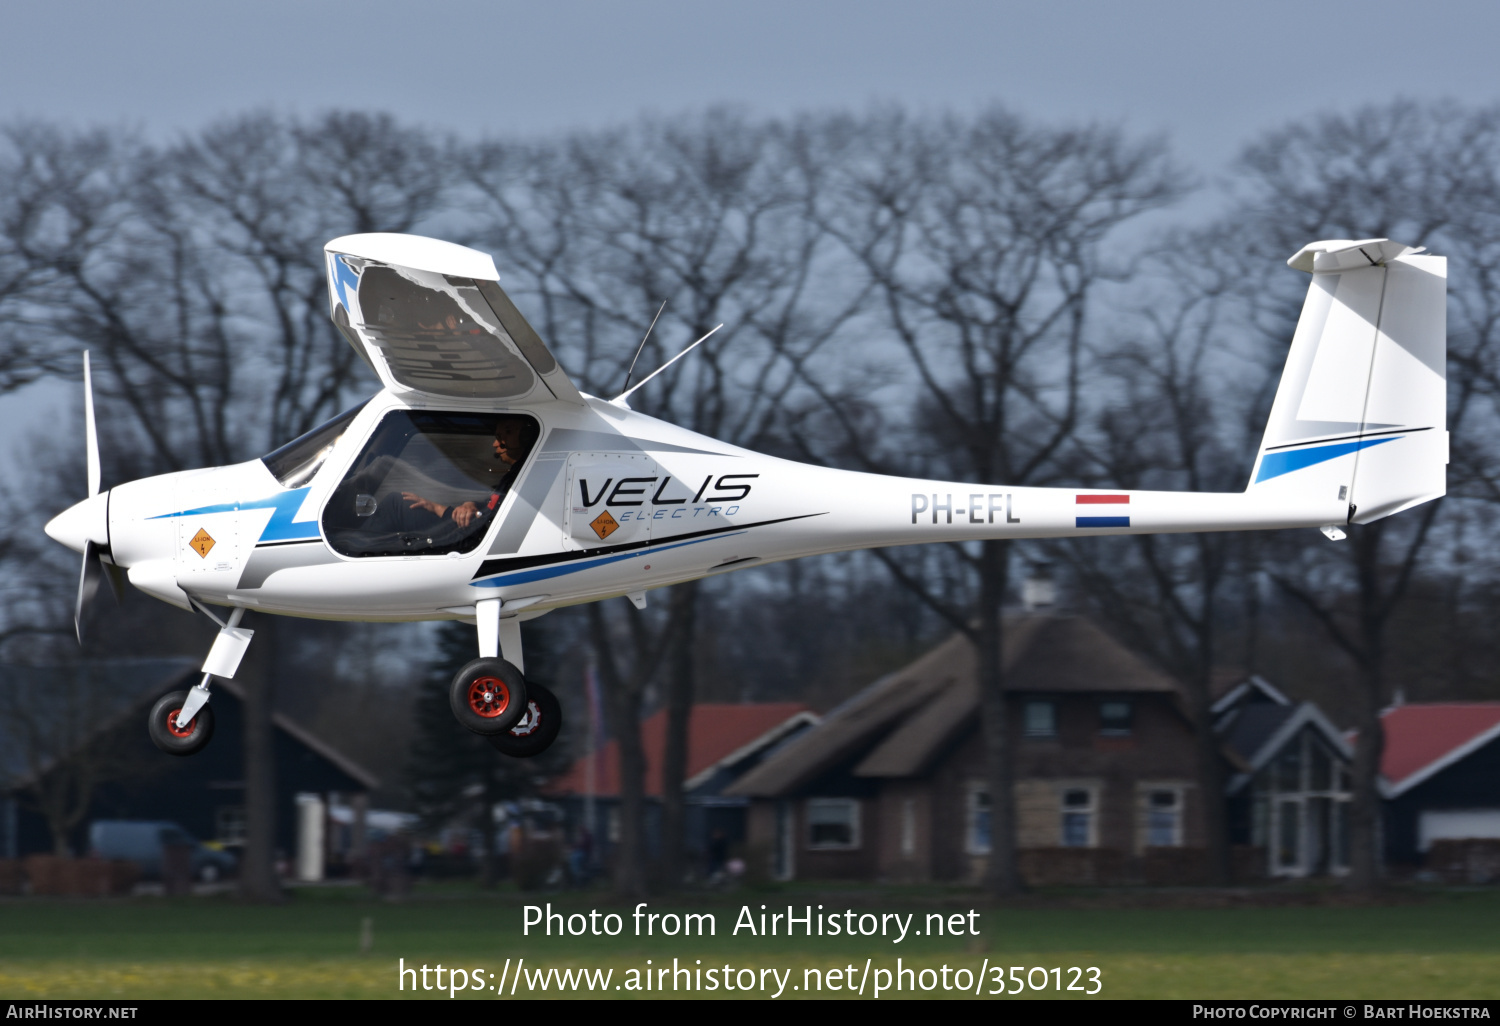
{"type": "Point", "coordinates": [891, 784]}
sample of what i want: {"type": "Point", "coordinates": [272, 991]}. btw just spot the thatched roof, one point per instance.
{"type": "Point", "coordinates": [900, 724]}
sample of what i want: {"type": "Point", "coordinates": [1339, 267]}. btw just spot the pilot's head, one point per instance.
{"type": "Point", "coordinates": [514, 438]}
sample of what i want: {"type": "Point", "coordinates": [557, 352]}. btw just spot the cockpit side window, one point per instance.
{"type": "Point", "coordinates": [428, 483]}
{"type": "Point", "coordinates": [295, 463]}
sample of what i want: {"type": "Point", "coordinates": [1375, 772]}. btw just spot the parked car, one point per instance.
{"type": "Point", "coordinates": [145, 841]}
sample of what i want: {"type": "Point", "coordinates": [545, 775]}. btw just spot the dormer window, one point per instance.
{"type": "Point", "coordinates": [1040, 719]}
{"type": "Point", "coordinates": [1114, 719]}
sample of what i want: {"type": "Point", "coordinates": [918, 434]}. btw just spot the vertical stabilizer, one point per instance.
{"type": "Point", "coordinates": [1362, 405]}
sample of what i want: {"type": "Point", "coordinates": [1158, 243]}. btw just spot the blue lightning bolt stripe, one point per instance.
{"type": "Point", "coordinates": [279, 528]}
{"type": "Point", "coordinates": [343, 278]}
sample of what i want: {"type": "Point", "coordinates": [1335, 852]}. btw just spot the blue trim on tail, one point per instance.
{"type": "Point", "coordinates": [1274, 464]}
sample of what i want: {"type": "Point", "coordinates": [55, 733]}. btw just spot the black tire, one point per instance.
{"type": "Point", "coordinates": [164, 732]}
{"type": "Point", "coordinates": [488, 696]}
{"type": "Point", "coordinates": [537, 729]}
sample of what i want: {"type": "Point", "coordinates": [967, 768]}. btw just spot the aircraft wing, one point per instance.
{"type": "Point", "coordinates": [430, 317]}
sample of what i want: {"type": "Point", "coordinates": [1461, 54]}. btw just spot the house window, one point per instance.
{"type": "Point", "coordinates": [229, 824]}
{"type": "Point", "coordinates": [908, 828]}
{"type": "Point", "coordinates": [833, 823]}
{"type": "Point", "coordinates": [1114, 719]}
{"type": "Point", "coordinates": [1163, 818]}
{"type": "Point", "coordinates": [1078, 818]}
{"type": "Point", "coordinates": [1320, 768]}
{"type": "Point", "coordinates": [784, 866]}
{"type": "Point", "coordinates": [1041, 719]}
{"type": "Point", "coordinates": [1288, 767]}
{"type": "Point", "coordinates": [1289, 834]}
{"type": "Point", "coordinates": [978, 833]}
{"type": "Point", "coordinates": [1341, 828]}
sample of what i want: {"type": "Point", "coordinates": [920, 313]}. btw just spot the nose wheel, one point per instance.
{"type": "Point", "coordinates": [488, 696]}
{"type": "Point", "coordinates": [172, 739]}
{"type": "Point", "coordinates": [536, 730]}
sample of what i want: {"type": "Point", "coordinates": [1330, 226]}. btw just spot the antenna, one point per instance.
{"type": "Point", "coordinates": [624, 395]}
{"type": "Point", "coordinates": [642, 345]}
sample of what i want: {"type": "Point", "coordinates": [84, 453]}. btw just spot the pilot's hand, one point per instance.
{"type": "Point", "coordinates": [466, 514]}
{"type": "Point", "coordinates": [417, 502]}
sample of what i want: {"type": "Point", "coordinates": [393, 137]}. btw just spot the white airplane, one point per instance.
{"type": "Point", "coordinates": [480, 485]}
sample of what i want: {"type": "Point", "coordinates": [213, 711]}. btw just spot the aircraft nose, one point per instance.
{"type": "Point", "coordinates": [87, 521]}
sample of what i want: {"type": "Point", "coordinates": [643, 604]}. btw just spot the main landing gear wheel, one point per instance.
{"type": "Point", "coordinates": [175, 740]}
{"type": "Point", "coordinates": [488, 696]}
{"type": "Point", "coordinates": [537, 729]}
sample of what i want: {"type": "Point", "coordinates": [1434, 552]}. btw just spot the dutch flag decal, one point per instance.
{"type": "Point", "coordinates": [1117, 504]}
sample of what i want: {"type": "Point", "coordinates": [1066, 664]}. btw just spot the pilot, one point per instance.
{"type": "Point", "coordinates": [513, 440]}
{"type": "Point", "coordinates": [440, 524]}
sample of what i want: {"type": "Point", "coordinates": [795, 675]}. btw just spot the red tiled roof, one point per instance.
{"type": "Point", "coordinates": [1416, 736]}
{"type": "Point", "coordinates": [714, 731]}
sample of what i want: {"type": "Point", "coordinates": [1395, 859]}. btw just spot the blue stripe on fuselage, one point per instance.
{"type": "Point", "coordinates": [543, 573]}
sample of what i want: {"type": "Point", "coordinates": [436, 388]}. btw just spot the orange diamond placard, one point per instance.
{"type": "Point", "coordinates": [604, 525]}
{"type": "Point", "coordinates": [201, 543]}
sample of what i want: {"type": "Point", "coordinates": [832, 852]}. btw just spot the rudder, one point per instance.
{"type": "Point", "coordinates": [1363, 397]}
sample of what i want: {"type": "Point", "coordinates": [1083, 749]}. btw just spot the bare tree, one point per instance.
{"type": "Point", "coordinates": [195, 276]}
{"type": "Point", "coordinates": [1413, 173]}
{"type": "Point", "coordinates": [983, 239]}
{"type": "Point", "coordinates": [1170, 426]}
{"type": "Point", "coordinates": [625, 678]}
{"type": "Point", "coordinates": [710, 218]}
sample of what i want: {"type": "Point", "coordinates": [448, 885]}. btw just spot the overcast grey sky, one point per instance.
{"type": "Point", "coordinates": [1210, 75]}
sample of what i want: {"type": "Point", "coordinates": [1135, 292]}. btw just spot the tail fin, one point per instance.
{"type": "Point", "coordinates": [1362, 405]}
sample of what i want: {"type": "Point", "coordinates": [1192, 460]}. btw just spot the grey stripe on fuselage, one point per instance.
{"type": "Point", "coordinates": [268, 559]}
{"type": "Point", "coordinates": [537, 484]}
{"type": "Point", "coordinates": [529, 500]}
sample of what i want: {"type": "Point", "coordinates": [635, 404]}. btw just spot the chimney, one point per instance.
{"type": "Point", "coordinates": [1039, 590]}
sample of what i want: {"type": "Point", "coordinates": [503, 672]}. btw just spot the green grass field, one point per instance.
{"type": "Point", "coordinates": [1440, 944]}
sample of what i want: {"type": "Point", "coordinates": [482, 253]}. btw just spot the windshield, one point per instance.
{"type": "Point", "coordinates": [295, 463]}
{"type": "Point", "coordinates": [427, 483]}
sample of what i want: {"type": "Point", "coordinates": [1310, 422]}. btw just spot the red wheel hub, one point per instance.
{"type": "Point", "coordinates": [489, 697]}
{"type": "Point", "coordinates": [174, 729]}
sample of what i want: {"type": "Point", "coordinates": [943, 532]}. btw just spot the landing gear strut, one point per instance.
{"type": "Point", "coordinates": [491, 695]}
{"type": "Point", "coordinates": [181, 722]}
